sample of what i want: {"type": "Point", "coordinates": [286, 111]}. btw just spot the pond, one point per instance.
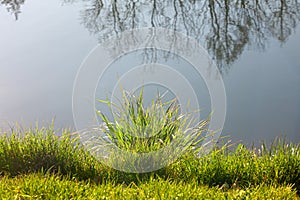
{"type": "Point", "coordinates": [254, 44]}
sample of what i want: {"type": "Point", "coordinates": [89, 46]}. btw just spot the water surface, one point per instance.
{"type": "Point", "coordinates": [255, 45]}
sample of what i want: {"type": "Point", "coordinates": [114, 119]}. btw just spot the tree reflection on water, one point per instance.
{"type": "Point", "coordinates": [225, 28]}
{"type": "Point", "coordinates": [13, 6]}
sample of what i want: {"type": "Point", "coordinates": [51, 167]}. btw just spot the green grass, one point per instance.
{"type": "Point", "coordinates": [160, 132]}
{"type": "Point", "coordinates": [38, 186]}
{"type": "Point", "coordinates": [139, 128]}
{"type": "Point", "coordinates": [35, 163]}
{"type": "Point", "coordinates": [253, 173]}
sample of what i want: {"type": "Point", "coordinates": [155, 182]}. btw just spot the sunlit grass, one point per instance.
{"type": "Point", "coordinates": [37, 163]}
{"type": "Point", "coordinates": [139, 128]}
{"type": "Point", "coordinates": [38, 186]}
{"type": "Point", "coordinates": [41, 151]}
{"type": "Point", "coordinates": [144, 138]}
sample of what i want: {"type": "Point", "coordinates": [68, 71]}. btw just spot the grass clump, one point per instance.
{"type": "Point", "coordinates": [141, 129]}
{"type": "Point", "coordinates": [40, 149]}
{"type": "Point", "coordinates": [142, 139]}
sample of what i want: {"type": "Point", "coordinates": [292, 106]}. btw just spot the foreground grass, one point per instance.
{"type": "Point", "coordinates": [38, 186]}
{"type": "Point", "coordinates": [37, 163]}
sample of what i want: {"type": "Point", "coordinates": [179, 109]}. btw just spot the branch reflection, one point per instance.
{"type": "Point", "coordinates": [13, 6]}
{"type": "Point", "coordinates": [225, 28]}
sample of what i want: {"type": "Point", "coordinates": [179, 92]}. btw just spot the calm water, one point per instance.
{"type": "Point", "coordinates": [256, 46]}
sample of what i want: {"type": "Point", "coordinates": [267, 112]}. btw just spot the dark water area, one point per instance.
{"type": "Point", "coordinates": [255, 45]}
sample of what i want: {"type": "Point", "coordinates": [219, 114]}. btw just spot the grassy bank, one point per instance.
{"type": "Point", "coordinates": [37, 163]}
